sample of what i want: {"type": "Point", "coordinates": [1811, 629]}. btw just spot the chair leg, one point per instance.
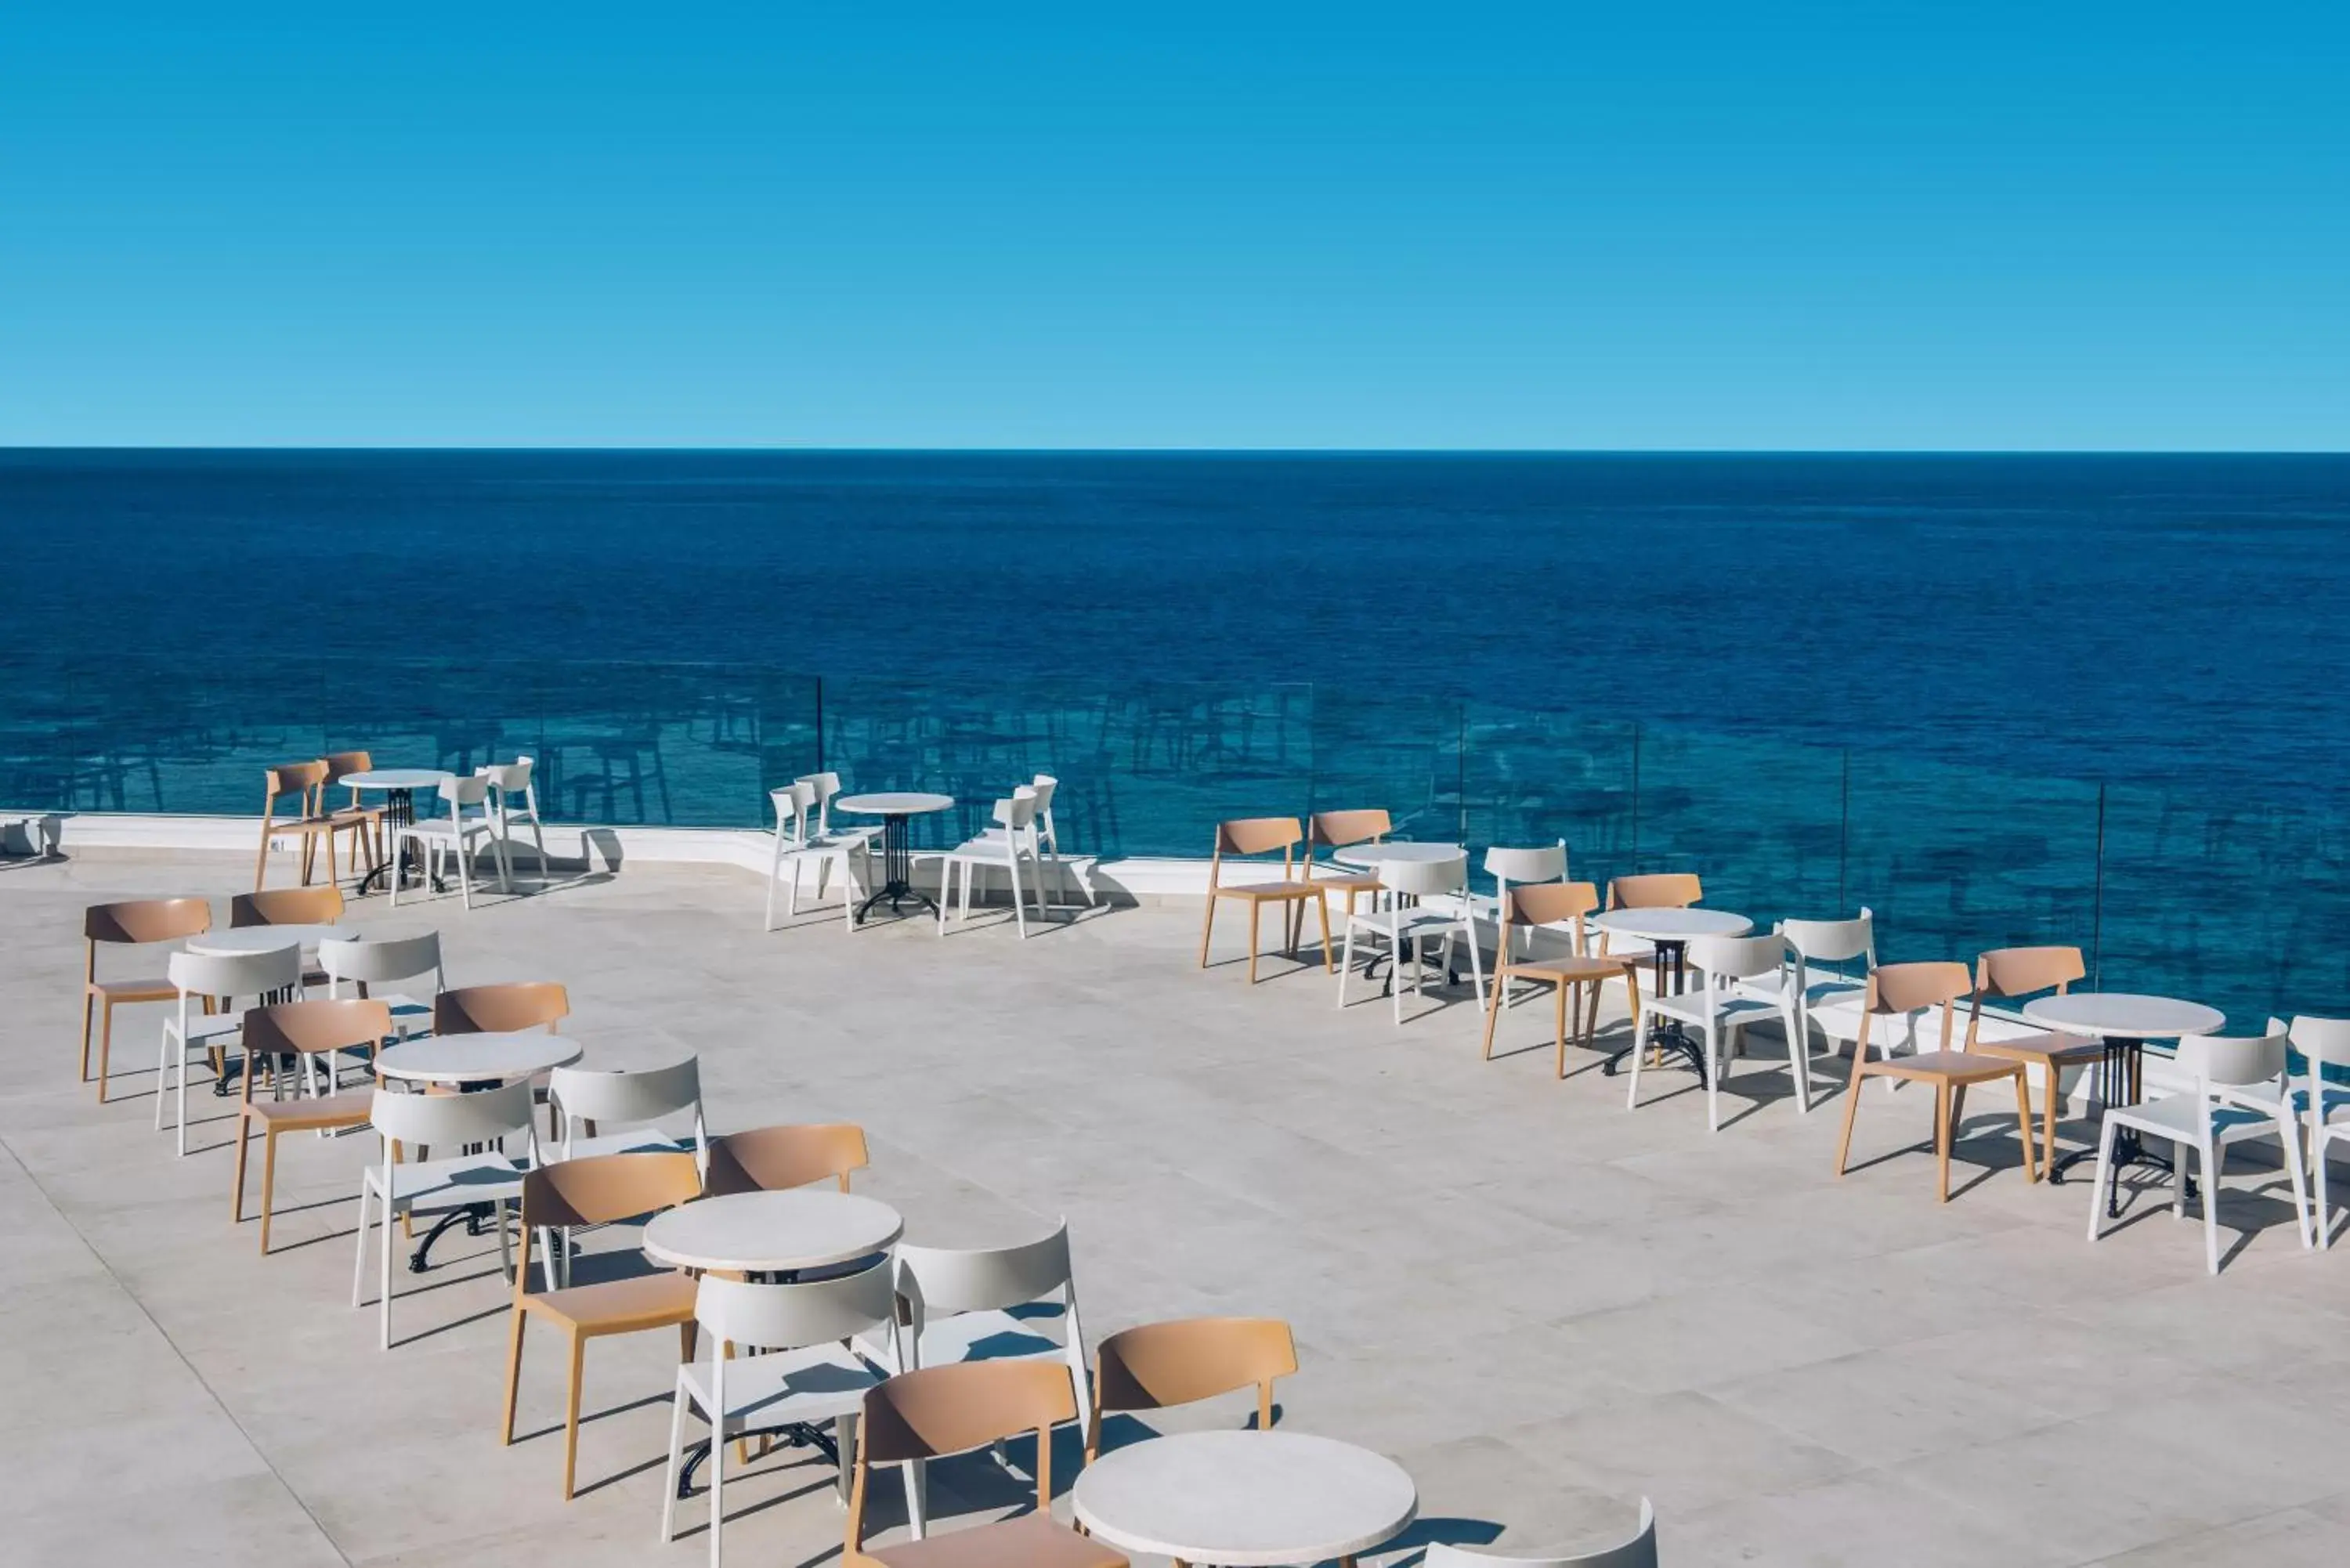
{"type": "Point", "coordinates": [162, 1075]}
{"type": "Point", "coordinates": [2106, 1130]}
{"type": "Point", "coordinates": [89, 1005]}
{"type": "Point", "coordinates": [1561, 991]}
{"type": "Point", "coordinates": [1851, 1109]}
{"type": "Point", "coordinates": [676, 1459]}
{"type": "Point", "coordinates": [2024, 1122]}
{"type": "Point", "coordinates": [1322, 903]}
{"type": "Point", "coordinates": [1346, 967]}
{"type": "Point", "coordinates": [105, 1042]}
{"type": "Point", "coordinates": [571, 1415]}
{"type": "Point", "coordinates": [383, 1285]}
{"type": "Point", "coordinates": [268, 1183]}
{"type": "Point", "coordinates": [2324, 1215]}
{"type": "Point", "coordinates": [2210, 1161]}
{"type": "Point", "coordinates": [2289, 1134]}
{"type": "Point", "coordinates": [1639, 1050]}
{"type": "Point", "coordinates": [1943, 1109]}
{"type": "Point", "coordinates": [1256, 909]}
{"type": "Point", "coordinates": [514, 1369]}
{"type": "Point", "coordinates": [774, 871]}
{"type": "Point", "coordinates": [236, 1191]}
{"type": "Point", "coordinates": [1207, 929]}
{"type": "Point", "coordinates": [359, 1252]}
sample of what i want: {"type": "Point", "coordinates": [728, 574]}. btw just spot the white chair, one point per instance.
{"type": "Point", "coordinates": [1010, 848]}
{"type": "Point", "coordinates": [510, 783]}
{"type": "Point", "coordinates": [467, 825]}
{"type": "Point", "coordinates": [369, 967]}
{"type": "Point", "coordinates": [800, 840]}
{"type": "Point", "coordinates": [1415, 923]}
{"type": "Point", "coordinates": [1720, 1013]}
{"type": "Point", "coordinates": [827, 786]}
{"type": "Point", "coordinates": [2322, 1042]}
{"type": "Point", "coordinates": [802, 1375]}
{"type": "Point", "coordinates": [1639, 1551]}
{"type": "Point", "coordinates": [2231, 1090]}
{"type": "Point", "coordinates": [222, 977]}
{"type": "Point", "coordinates": [989, 1303]}
{"type": "Point", "coordinates": [622, 1107]}
{"type": "Point", "coordinates": [1048, 840]}
{"type": "Point", "coordinates": [437, 1186]}
{"type": "Point", "coordinates": [1522, 867]}
{"type": "Point", "coordinates": [1826, 999]}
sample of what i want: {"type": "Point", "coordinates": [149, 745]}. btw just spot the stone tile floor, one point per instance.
{"type": "Point", "coordinates": [1542, 1304]}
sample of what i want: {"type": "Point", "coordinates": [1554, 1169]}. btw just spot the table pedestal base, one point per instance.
{"type": "Point", "coordinates": [399, 811]}
{"type": "Point", "coordinates": [2124, 1065]}
{"type": "Point", "coordinates": [897, 873]}
{"type": "Point", "coordinates": [798, 1435]}
{"type": "Point", "coordinates": [1665, 1034]}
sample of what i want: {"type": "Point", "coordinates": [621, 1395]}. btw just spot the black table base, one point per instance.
{"type": "Point", "coordinates": [798, 1435]}
{"type": "Point", "coordinates": [897, 873]}
{"type": "Point", "coordinates": [399, 812]}
{"type": "Point", "coordinates": [1665, 1034]}
{"type": "Point", "coordinates": [2122, 1085]}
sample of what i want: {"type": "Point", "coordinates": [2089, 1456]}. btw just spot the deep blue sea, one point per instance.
{"type": "Point", "coordinates": [1819, 679]}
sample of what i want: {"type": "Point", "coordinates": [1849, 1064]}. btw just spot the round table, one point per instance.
{"type": "Point", "coordinates": [771, 1232]}
{"type": "Point", "coordinates": [1240, 1499]}
{"type": "Point", "coordinates": [1370, 856]}
{"type": "Point", "coordinates": [2123, 1021]}
{"type": "Point", "coordinates": [266, 938]}
{"type": "Point", "coordinates": [475, 1058]}
{"type": "Point", "coordinates": [893, 807]}
{"type": "Point", "coordinates": [1669, 932]}
{"type": "Point", "coordinates": [400, 787]}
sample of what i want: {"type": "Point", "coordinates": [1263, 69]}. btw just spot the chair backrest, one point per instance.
{"type": "Point", "coordinates": [316, 1028]}
{"type": "Point", "coordinates": [507, 778]}
{"type": "Point", "coordinates": [2020, 971]}
{"type": "Point", "coordinates": [1895, 988]}
{"type": "Point", "coordinates": [1549, 903]}
{"type": "Point", "coordinates": [793, 803]}
{"type": "Point", "coordinates": [1337, 829]}
{"type": "Point", "coordinates": [954, 1409]}
{"type": "Point", "coordinates": [1736, 958]}
{"type": "Point", "coordinates": [341, 764]}
{"type": "Point", "coordinates": [292, 778]}
{"type": "Point", "coordinates": [1258, 835]}
{"type": "Point", "coordinates": [147, 921]}
{"type": "Point", "coordinates": [2233, 1061]}
{"type": "Point", "coordinates": [1832, 941]}
{"type": "Point", "coordinates": [1158, 1364]}
{"type": "Point", "coordinates": [1044, 784]}
{"type": "Point", "coordinates": [1545, 863]}
{"type": "Point", "coordinates": [1639, 1551]}
{"type": "Point", "coordinates": [771, 1160]}
{"type": "Point", "coordinates": [791, 1316]}
{"type": "Point", "coordinates": [941, 1280]}
{"type": "Point", "coordinates": [381, 962]}
{"type": "Point", "coordinates": [449, 1121]}
{"type": "Point", "coordinates": [234, 975]}
{"type": "Point", "coordinates": [502, 1009]}
{"type": "Point", "coordinates": [464, 792]}
{"type": "Point", "coordinates": [320, 906]}
{"type": "Point", "coordinates": [629, 1097]}
{"type": "Point", "coordinates": [1019, 812]}
{"type": "Point", "coordinates": [823, 788]}
{"type": "Point", "coordinates": [2324, 1042]}
{"type": "Point", "coordinates": [603, 1188]}
{"type": "Point", "coordinates": [1421, 878]}
{"type": "Point", "coordinates": [1655, 890]}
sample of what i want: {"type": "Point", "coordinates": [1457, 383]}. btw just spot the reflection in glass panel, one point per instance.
{"type": "Point", "coordinates": [1530, 778]}
{"type": "Point", "coordinates": [1758, 821]}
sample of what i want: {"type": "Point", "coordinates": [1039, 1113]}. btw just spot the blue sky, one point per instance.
{"type": "Point", "coordinates": [1676, 225]}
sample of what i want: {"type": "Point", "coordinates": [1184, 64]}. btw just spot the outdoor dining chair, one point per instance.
{"type": "Point", "coordinates": [1181, 1361]}
{"type": "Point", "coordinates": [314, 1033]}
{"type": "Point", "coordinates": [989, 1303]}
{"type": "Point", "coordinates": [2012, 972]}
{"type": "Point", "coordinates": [1720, 1013]}
{"type": "Point", "coordinates": [400, 1187]}
{"type": "Point", "coordinates": [777, 1158]}
{"type": "Point", "coordinates": [2321, 1104]}
{"type": "Point", "coordinates": [217, 979]}
{"type": "Point", "coordinates": [311, 822]}
{"type": "Point", "coordinates": [137, 922]}
{"type": "Point", "coordinates": [1899, 990]}
{"type": "Point", "coordinates": [1265, 835]}
{"type": "Point", "coordinates": [1570, 976]}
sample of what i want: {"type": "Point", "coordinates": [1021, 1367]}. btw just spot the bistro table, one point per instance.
{"type": "Point", "coordinates": [1669, 932]}
{"type": "Point", "coordinates": [400, 787]}
{"type": "Point", "coordinates": [1400, 851]}
{"type": "Point", "coordinates": [893, 807]}
{"type": "Point", "coordinates": [470, 1062]}
{"type": "Point", "coordinates": [2123, 1021]}
{"type": "Point", "coordinates": [239, 940]}
{"type": "Point", "coordinates": [1244, 1499]}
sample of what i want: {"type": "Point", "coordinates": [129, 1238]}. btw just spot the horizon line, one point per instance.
{"type": "Point", "coordinates": [746, 449]}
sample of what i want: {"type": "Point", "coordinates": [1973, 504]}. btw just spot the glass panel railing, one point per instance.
{"type": "Point", "coordinates": [1532, 778]}
{"type": "Point", "coordinates": [1759, 821]}
{"type": "Point", "coordinates": [1400, 750]}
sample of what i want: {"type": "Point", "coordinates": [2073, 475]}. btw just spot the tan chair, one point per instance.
{"type": "Point", "coordinates": [306, 782]}
{"type": "Point", "coordinates": [318, 1031]}
{"type": "Point", "coordinates": [363, 821]}
{"type": "Point", "coordinates": [598, 1190]}
{"type": "Point", "coordinates": [1897, 990]}
{"type": "Point", "coordinates": [2020, 971]}
{"type": "Point", "coordinates": [1341, 830]}
{"type": "Point", "coordinates": [1158, 1365]}
{"type": "Point", "coordinates": [773, 1159]}
{"type": "Point", "coordinates": [506, 1008]}
{"type": "Point", "coordinates": [1651, 890]}
{"type": "Point", "coordinates": [319, 906]}
{"type": "Point", "coordinates": [134, 923]}
{"type": "Point", "coordinates": [943, 1411]}
{"type": "Point", "coordinates": [1262, 835]}
{"type": "Point", "coordinates": [1549, 904]}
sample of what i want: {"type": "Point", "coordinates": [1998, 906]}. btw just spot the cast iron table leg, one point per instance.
{"type": "Point", "coordinates": [897, 872]}
{"type": "Point", "coordinates": [1666, 1034]}
{"type": "Point", "coordinates": [2123, 1085]}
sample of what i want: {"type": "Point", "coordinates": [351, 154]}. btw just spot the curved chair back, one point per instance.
{"type": "Point", "coordinates": [1549, 903]}
{"type": "Point", "coordinates": [1337, 829]}
{"type": "Point", "coordinates": [1018, 814]}
{"type": "Point", "coordinates": [147, 921]}
{"type": "Point", "coordinates": [1424, 878]}
{"type": "Point", "coordinates": [938, 1279]}
{"type": "Point", "coordinates": [1736, 958]}
{"type": "Point", "coordinates": [790, 1316]}
{"type": "Point", "coordinates": [1639, 1551]}
{"type": "Point", "coordinates": [316, 1028]}
{"type": "Point", "coordinates": [450, 1120]}
{"type": "Point", "coordinates": [293, 778]}
{"type": "Point", "coordinates": [341, 764]}
{"type": "Point", "coordinates": [463, 792]}
{"type": "Point", "coordinates": [2233, 1061]}
{"type": "Point", "coordinates": [1156, 1365]}
{"type": "Point", "coordinates": [2324, 1042]}
{"type": "Point", "coordinates": [507, 778]}
{"type": "Point", "coordinates": [604, 1188]}
{"type": "Point", "coordinates": [1044, 784]}
{"type": "Point", "coordinates": [1913, 987]}
{"type": "Point", "coordinates": [632, 1094]}
{"type": "Point", "coordinates": [234, 975]}
{"type": "Point", "coordinates": [771, 1160]}
{"type": "Point", "coordinates": [952, 1409]}
{"type": "Point", "coordinates": [320, 906]}
{"type": "Point", "coordinates": [793, 803]}
{"type": "Point", "coordinates": [1832, 941]}
{"type": "Point", "coordinates": [364, 962]}
{"type": "Point", "coordinates": [503, 1009]}
{"type": "Point", "coordinates": [1545, 863]}
{"type": "Point", "coordinates": [1258, 835]}
{"type": "Point", "coordinates": [1655, 890]}
{"type": "Point", "coordinates": [2020, 971]}
{"type": "Point", "coordinates": [823, 789]}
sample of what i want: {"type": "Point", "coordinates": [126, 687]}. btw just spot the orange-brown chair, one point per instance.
{"type": "Point", "coordinates": [1158, 1365]}
{"type": "Point", "coordinates": [363, 821]}
{"type": "Point", "coordinates": [306, 783]}
{"type": "Point", "coordinates": [1340, 830]}
{"type": "Point", "coordinates": [508, 1007]}
{"type": "Point", "coordinates": [1262, 835]}
{"type": "Point", "coordinates": [2021, 971]}
{"type": "Point", "coordinates": [320, 1031]}
{"type": "Point", "coordinates": [136, 922]}
{"type": "Point", "coordinates": [1897, 990]}
{"type": "Point", "coordinates": [1551, 904]}
{"type": "Point", "coordinates": [773, 1159]}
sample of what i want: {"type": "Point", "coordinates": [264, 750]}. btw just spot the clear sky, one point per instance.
{"type": "Point", "coordinates": [1678, 225]}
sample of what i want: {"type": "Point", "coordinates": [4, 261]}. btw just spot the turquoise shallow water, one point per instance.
{"type": "Point", "coordinates": [2071, 699]}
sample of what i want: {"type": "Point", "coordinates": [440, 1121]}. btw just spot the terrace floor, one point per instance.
{"type": "Point", "coordinates": [1542, 1305]}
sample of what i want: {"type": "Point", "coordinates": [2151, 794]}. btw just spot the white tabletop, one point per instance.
{"type": "Point", "coordinates": [1673, 925]}
{"type": "Point", "coordinates": [766, 1233]}
{"type": "Point", "coordinates": [1240, 1500]}
{"type": "Point", "coordinates": [2124, 1015]}
{"type": "Point", "coordinates": [395, 778]}
{"type": "Point", "coordinates": [897, 803]}
{"type": "Point", "coordinates": [267, 939]}
{"type": "Point", "coordinates": [1402, 850]}
{"type": "Point", "coordinates": [476, 1058]}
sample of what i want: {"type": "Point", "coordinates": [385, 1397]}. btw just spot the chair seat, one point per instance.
{"type": "Point", "coordinates": [2185, 1116]}
{"type": "Point", "coordinates": [1950, 1066]}
{"type": "Point", "coordinates": [1032, 1329]}
{"type": "Point", "coordinates": [1405, 922]}
{"type": "Point", "coordinates": [637, 1140]}
{"type": "Point", "coordinates": [1031, 1541]}
{"type": "Point", "coordinates": [2332, 1102]}
{"type": "Point", "coordinates": [319, 1111]}
{"type": "Point", "coordinates": [441, 827]}
{"type": "Point", "coordinates": [764, 1392]}
{"type": "Point", "coordinates": [145, 988]}
{"type": "Point", "coordinates": [1736, 1012]}
{"type": "Point", "coordinates": [355, 815]}
{"type": "Point", "coordinates": [1351, 881]}
{"type": "Point", "coordinates": [2043, 1048]}
{"type": "Point", "coordinates": [1632, 952]}
{"type": "Point", "coordinates": [991, 850]}
{"type": "Point", "coordinates": [1258, 892]}
{"type": "Point", "coordinates": [430, 1184]}
{"type": "Point", "coordinates": [1780, 988]}
{"type": "Point", "coordinates": [619, 1306]}
{"type": "Point", "coordinates": [1564, 971]}
{"type": "Point", "coordinates": [205, 1025]}
{"type": "Point", "coordinates": [833, 844]}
